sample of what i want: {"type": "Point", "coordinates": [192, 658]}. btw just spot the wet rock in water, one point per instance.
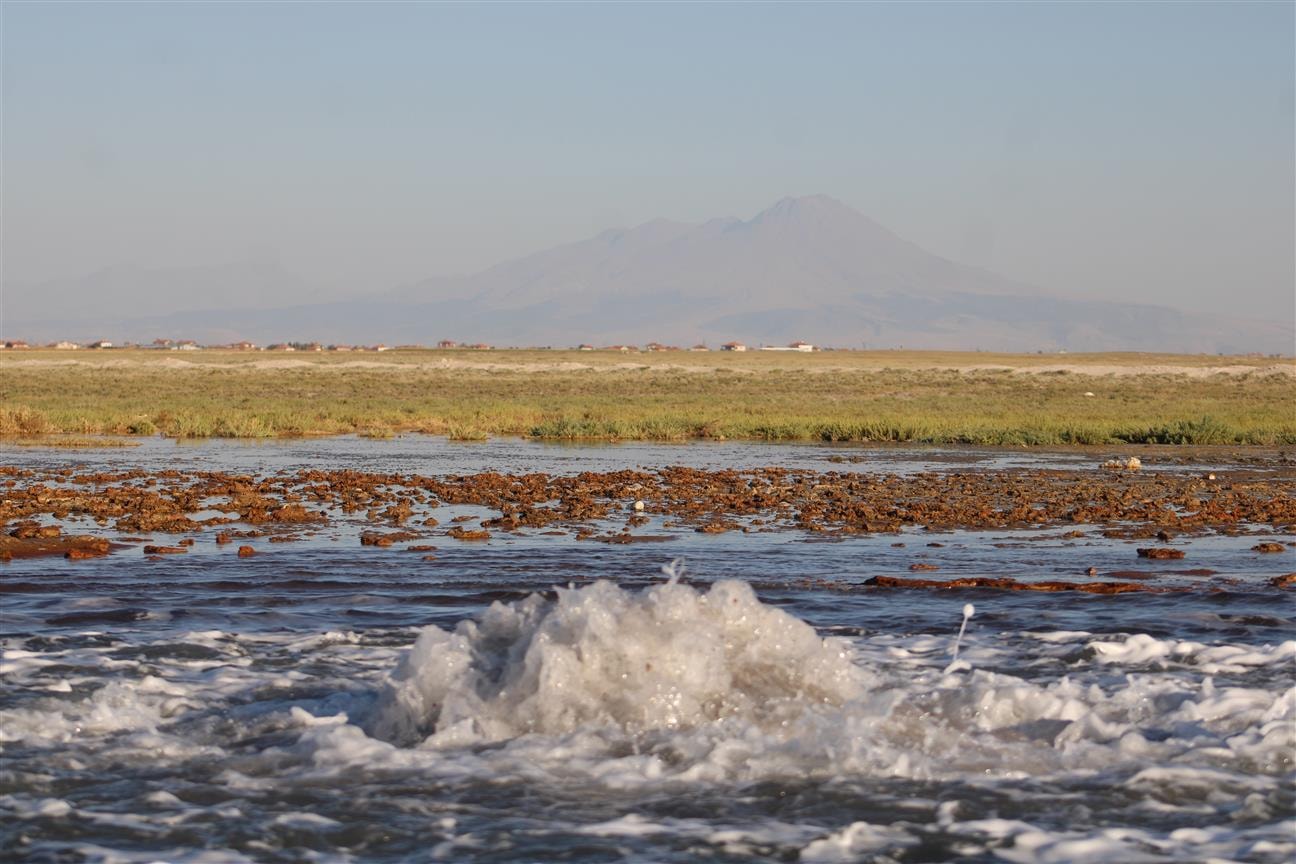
{"type": "Point", "coordinates": [29, 530]}
{"type": "Point", "coordinates": [84, 545]}
{"type": "Point", "coordinates": [164, 550]}
{"type": "Point", "coordinates": [223, 538]}
{"type": "Point", "coordinates": [80, 553]}
{"type": "Point", "coordinates": [922, 566]}
{"type": "Point", "coordinates": [1284, 581]}
{"type": "Point", "coordinates": [378, 538]}
{"type": "Point", "coordinates": [1005, 583]}
{"type": "Point", "coordinates": [1160, 553]}
{"type": "Point", "coordinates": [188, 541]}
{"type": "Point", "coordinates": [469, 533]}
{"type": "Point", "coordinates": [246, 552]}
{"type": "Point", "coordinates": [1133, 463]}
{"type": "Point", "coordinates": [1268, 547]}
{"type": "Point", "coordinates": [293, 513]}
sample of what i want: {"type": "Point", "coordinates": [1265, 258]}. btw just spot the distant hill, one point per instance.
{"type": "Point", "coordinates": [806, 268]}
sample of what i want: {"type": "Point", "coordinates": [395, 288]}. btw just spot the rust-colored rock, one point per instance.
{"type": "Point", "coordinates": [1006, 584]}
{"type": "Point", "coordinates": [223, 537]}
{"type": "Point", "coordinates": [246, 552]}
{"type": "Point", "coordinates": [84, 545]}
{"type": "Point", "coordinates": [1268, 548]}
{"type": "Point", "coordinates": [164, 550]}
{"type": "Point", "coordinates": [30, 530]}
{"type": "Point", "coordinates": [469, 533]}
{"type": "Point", "coordinates": [1284, 581]}
{"type": "Point", "coordinates": [1160, 553]}
{"type": "Point", "coordinates": [378, 538]}
{"type": "Point", "coordinates": [923, 566]}
{"type": "Point", "coordinates": [293, 513]}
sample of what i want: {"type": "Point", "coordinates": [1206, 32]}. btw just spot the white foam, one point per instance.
{"type": "Point", "coordinates": [855, 840]}
{"type": "Point", "coordinates": [668, 658]}
{"type": "Point", "coordinates": [1141, 649]}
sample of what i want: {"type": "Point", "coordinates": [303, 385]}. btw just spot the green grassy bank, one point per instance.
{"type": "Point", "coordinates": [838, 396]}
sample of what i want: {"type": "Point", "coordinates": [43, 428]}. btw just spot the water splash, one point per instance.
{"type": "Point", "coordinates": [669, 657]}
{"type": "Point", "coordinates": [968, 611]}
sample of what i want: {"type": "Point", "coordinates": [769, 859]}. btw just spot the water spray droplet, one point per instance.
{"type": "Point", "coordinates": [968, 611]}
{"type": "Point", "coordinates": [673, 571]}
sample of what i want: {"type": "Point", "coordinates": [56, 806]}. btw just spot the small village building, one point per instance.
{"type": "Point", "coordinates": [65, 346]}
{"type": "Point", "coordinates": [447, 343]}
{"type": "Point", "coordinates": [733, 346]}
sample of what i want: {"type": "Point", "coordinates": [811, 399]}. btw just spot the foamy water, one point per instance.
{"type": "Point", "coordinates": [657, 723]}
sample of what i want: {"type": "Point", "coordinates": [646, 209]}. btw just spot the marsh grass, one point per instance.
{"type": "Point", "coordinates": [74, 442]}
{"type": "Point", "coordinates": [836, 397]}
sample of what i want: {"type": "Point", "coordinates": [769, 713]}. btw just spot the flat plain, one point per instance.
{"type": "Point", "coordinates": [879, 396]}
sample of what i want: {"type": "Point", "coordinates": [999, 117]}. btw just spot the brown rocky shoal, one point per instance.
{"type": "Point", "coordinates": [831, 504]}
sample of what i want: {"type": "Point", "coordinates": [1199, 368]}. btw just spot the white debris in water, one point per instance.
{"type": "Point", "coordinates": [1133, 463]}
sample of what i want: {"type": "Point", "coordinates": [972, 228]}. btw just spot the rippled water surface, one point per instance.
{"type": "Point", "coordinates": [537, 698]}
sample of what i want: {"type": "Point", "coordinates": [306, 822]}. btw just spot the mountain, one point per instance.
{"type": "Point", "coordinates": [806, 268]}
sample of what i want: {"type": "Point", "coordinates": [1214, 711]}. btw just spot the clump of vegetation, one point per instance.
{"type": "Point", "coordinates": [466, 432]}
{"type": "Point", "coordinates": [18, 420]}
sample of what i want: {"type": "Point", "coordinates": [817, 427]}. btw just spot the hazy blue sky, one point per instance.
{"type": "Point", "coordinates": [1136, 151]}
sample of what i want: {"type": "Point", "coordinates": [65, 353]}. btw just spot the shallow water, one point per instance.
{"type": "Point", "coordinates": [765, 705]}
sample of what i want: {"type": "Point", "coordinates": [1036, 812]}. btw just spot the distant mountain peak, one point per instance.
{"type": "Point", "coordinates": [805, 205]}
